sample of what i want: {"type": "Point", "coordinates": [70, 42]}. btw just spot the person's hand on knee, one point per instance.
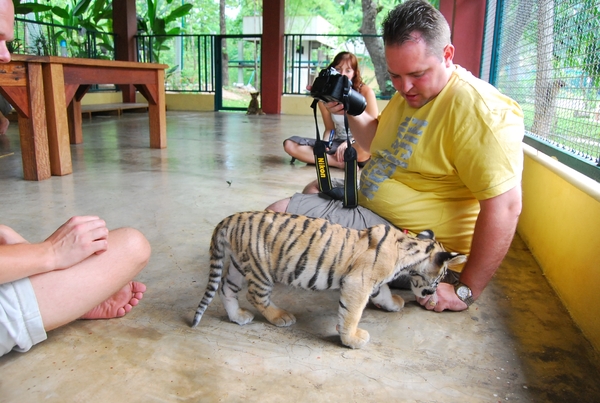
{"type": "Point", "coordinates": [76, 240]}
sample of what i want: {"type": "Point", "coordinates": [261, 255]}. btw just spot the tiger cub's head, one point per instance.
{"type": "Point", "coordinates": [427, 274]}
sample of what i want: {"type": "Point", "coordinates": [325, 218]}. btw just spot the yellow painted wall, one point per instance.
{"type": "Point", "coordinates": [560, 224]}
{"type": "Point", "coordinates": [190, 102]}
{"type": "Point", "coordinates": [290, 104]}
{"type": "Point", "coordinates": [175, 101]}
{"type": "Point", "coordinates": [95, 98]}
{"type": "Point", "coordinates": [300, 105]}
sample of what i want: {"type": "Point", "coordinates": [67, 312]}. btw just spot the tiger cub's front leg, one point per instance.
{"type": "Point", "coordinates": [354, 296]}
{"type": "Point", "coordinates": [385, 300]}
{"type": "Point", "coordinates": [259, 295]}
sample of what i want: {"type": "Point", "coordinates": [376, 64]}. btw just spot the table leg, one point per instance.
{"type": "Point", "coordinates": [58, 127]}
{"type": "Point", "coordinates": [157, 110]}
{"type": "Point", "coordinates": [32, 129]}
{"type": "Point", "coordinates": [74, 114]}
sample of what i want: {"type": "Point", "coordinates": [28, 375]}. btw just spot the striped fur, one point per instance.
{"type": "Point", "coordinates": [264, 248]}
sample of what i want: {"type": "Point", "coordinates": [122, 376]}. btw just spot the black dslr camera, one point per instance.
{"type": "Point", "coordinates": [331, 86]}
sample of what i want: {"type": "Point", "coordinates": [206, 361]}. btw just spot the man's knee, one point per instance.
{"type": "Point", "coordinates": [312, 187]}
{"type": "Point", "coordinates": [279, 206]}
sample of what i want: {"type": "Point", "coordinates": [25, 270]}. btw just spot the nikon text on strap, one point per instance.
{"type": "Point", "coordinates": [348, 194]}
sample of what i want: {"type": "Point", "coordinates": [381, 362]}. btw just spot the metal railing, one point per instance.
{"type": "Point", "coordinates": [46, 39]}
{"type": "Point", "coordinates": [190, 59]}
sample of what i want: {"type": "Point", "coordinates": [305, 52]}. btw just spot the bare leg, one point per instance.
{"type": "Point", "coordinates": [97, 285]}
{"type": "Point", "coordinates": [312, 187]}
{"type": "Point", "coordinates": [301, 153]}
{"type": "Point", "coordinates": [8, 236]}
{"type": "Point", "coordinates": [279, 206]}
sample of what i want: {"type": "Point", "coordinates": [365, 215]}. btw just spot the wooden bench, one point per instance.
{"type": "Point", "coordinates": [115, 108]}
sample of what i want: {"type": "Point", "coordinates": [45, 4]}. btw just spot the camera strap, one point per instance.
{"type": "Point", "coordinates": [320, 153]}
{"type": "Point", "coordinates": [350, 168]}
{"type": "Point", "coordinates": [350, 190]}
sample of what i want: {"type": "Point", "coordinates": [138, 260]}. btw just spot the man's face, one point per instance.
{"type": "Point", "coordinates": [416, 74]}
{"type": "Point", "coordinates": [7, 21]}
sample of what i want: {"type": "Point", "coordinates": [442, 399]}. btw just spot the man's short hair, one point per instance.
{"type": "Point", "coordinates": [417, 16]}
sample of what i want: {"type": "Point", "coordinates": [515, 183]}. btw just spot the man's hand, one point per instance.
{"type": "Point", "coordinates": [78, 239]}
{"type": "Point", "coordinates": [444, 299]}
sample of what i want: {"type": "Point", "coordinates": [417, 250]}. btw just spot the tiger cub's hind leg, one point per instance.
{"type": "Point", "coordinates": [385, 300]}
{"type": "Point", "coordinates": [259, 295]}
{"type": "Point", "coordinates": [230, 287]}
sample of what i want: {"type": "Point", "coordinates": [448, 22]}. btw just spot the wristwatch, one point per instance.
{"type": "Point", "coordinates": [464, 293]}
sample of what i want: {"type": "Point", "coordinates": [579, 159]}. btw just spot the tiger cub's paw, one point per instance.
{"type": "Point", "coordinates": [283, 318]}
{"type": "Point", "coordinates": [358, 340]}
{"type": "Point", "coordinates": [395, 304]}
{"type": "Point", "coordinates": [390, 303]}
{"type": "Point", "coordinates": [242, 317]}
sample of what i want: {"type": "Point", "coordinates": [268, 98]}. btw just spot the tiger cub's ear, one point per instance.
{"type": "Point", "coordinates": [427, 234]}
{"type": "Point", "coordinates": [451, 258]}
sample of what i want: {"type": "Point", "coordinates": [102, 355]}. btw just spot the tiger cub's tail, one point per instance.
{"type": "Point", "coordinates": [218, 256]}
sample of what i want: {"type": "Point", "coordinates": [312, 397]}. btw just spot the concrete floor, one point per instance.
{"type": "Point", "coordinates": [516, 343]}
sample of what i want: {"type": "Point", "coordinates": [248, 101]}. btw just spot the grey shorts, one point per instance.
{"type": "Point", "coordinates": [305, 141]}
{"type": "Point", "coordinates": [322, 206]}
{"type": "Point", "coordinates": [21, 323]}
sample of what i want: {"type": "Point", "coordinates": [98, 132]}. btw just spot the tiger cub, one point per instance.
{"type": "Point", "coordinates": [263, 248]}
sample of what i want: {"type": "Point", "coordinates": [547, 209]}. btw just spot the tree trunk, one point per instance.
{"type": "Point", "coordinates": [223, 31]}
{"type": "Point", "coordinates": [546, 88]}
{"type": "Point", "coordinates": [374, 45]}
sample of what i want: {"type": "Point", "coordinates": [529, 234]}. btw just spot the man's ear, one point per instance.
{"type": "Point", "coordinates": [448, 54]}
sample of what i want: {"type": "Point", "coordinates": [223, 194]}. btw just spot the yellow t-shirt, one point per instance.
{"type": "Point", "coordinates": [430, 166]}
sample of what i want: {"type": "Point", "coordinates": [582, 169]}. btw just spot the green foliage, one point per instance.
{"type": "Point", "coordinates": [26, 8]}
{"type": "Point", "coordinates": [150, 22]}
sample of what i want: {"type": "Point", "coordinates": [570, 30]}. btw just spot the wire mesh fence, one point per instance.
{"type": "Point", "coordinates": [545, 54]}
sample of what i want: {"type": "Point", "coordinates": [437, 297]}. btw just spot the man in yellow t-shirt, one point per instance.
{"type": "Point", "coordinates": [446, 155]}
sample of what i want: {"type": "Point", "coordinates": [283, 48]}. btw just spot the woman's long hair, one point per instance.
{"type": "Point", "coordinates": [341, 57]}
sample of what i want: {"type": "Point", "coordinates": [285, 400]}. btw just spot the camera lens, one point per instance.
{"type": "Point", "coordinates": [356, 103]}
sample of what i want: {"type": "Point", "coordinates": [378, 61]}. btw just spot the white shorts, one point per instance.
{"type": "Point", "coordinates": [21, 323]}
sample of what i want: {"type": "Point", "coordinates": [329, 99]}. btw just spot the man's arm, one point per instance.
{"type": "Point", "coordinates": [494, 231]}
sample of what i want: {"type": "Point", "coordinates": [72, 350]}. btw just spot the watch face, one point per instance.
{"type": "Point", "coordinates": [463, 292]}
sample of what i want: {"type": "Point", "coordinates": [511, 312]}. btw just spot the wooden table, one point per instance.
{"type": "Point", "coordinates": [41, 87]}
{"type": "Point", "coordinates": [21, 83]}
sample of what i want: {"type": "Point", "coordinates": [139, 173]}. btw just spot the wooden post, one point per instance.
{"type": "Point", "coordinates": [125, 28]}
{"type": "Point", "coordinates": [272, 55]}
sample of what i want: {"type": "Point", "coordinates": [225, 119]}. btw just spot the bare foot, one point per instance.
{"type": "Point", "coordinates": [119, 304]}
{"type": "Point", "coordinates": [4, 123]}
